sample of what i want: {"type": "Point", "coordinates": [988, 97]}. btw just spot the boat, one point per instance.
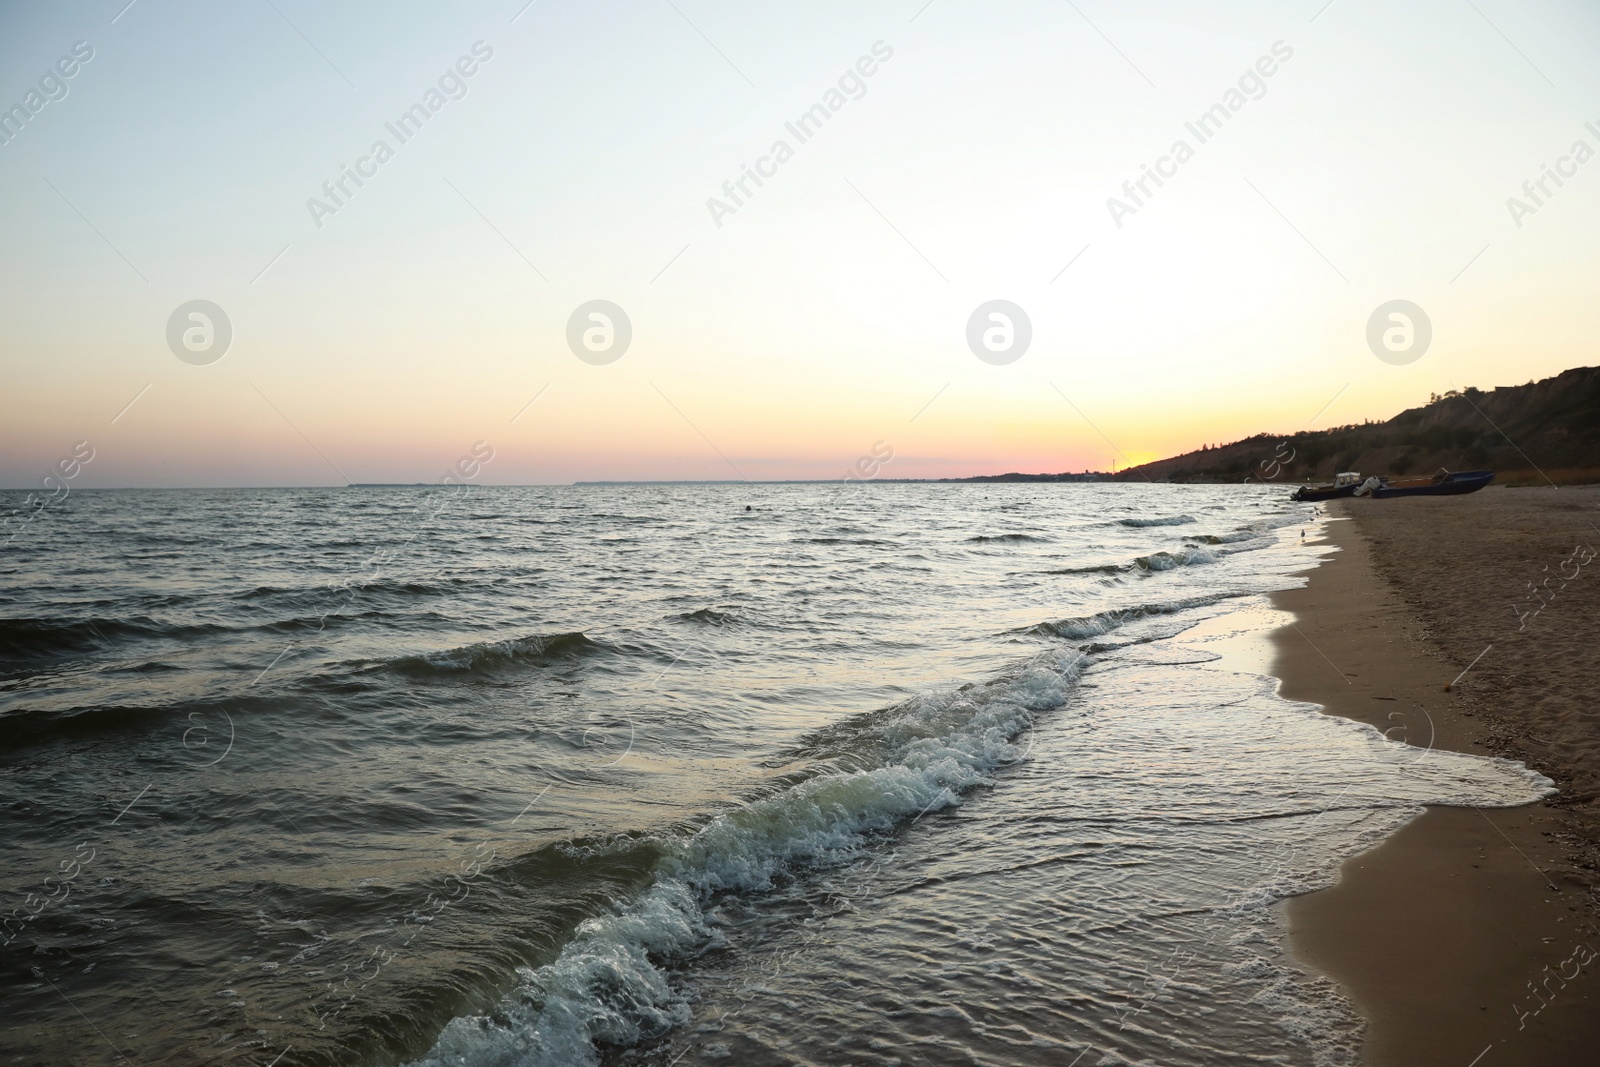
{"type": "Point", "coordinates": [1445, 483]}
{"type": "Point", "coordinates": [1344, 484]}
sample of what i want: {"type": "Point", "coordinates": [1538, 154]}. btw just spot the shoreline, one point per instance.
{"type": "Point", "coordinates": [1443, 935]}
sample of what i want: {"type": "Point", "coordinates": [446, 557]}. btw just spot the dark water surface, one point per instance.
{"type": "Point", "coordinates": [889, 774]}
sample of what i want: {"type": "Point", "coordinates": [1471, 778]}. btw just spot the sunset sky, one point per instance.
{"type": "Point", "coordinates": [379, 337]}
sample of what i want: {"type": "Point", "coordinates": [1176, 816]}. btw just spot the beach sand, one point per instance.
{"type": "Point", "coordinates": [1458, 938]}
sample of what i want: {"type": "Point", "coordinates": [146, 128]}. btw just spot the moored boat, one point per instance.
{"type": "Point", "coordinates": [1445, 483]}
{"type": "Point", "coordinates": [1343, 484]}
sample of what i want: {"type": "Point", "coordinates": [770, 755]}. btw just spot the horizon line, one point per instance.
{"type": "Point", "coordinates": [1014, 476]}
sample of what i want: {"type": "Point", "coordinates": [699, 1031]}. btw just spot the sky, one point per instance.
{"type": "Point", "coordinates": [382, 332]}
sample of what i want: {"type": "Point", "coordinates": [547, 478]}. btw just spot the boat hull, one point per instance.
{"type": "Point", "coordinates": [1310, 494]}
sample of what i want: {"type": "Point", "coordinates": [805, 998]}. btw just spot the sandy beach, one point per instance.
{"type": "Point", "coordinates": [1469, 937]}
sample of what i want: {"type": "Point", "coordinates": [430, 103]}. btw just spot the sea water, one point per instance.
{"type": "Point", "coordinates": [768, 774]}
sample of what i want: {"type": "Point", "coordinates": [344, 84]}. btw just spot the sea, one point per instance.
{"type": "Point", "coordinates": [881, 774]}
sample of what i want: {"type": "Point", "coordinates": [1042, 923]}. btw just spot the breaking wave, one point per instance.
{"type": "Point", "coordinates": [610, 985]}
{"type": "Point", "coordinates": [1183, 557]}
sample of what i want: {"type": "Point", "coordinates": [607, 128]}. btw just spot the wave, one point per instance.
{"type": "Point", "coordinates": [1010, 538]}
{"type": "Point", "coordinates": [709, 616]}
{"type": "Point", "coordinates": [536, 649]}
{"type": "Point", "coordinates": [610, 986]}
{"type": "Point", "coordinates": [1103, 622]}
{"type": "Point", "coordinates": [337, 593]}
{"type": "Point", "coordinates": [1104, 568]}
{"type": "Point", "coordinates": [23, 728]}
{"type": "Point", "coordinates": [1194, 551]}
{"type": "Point", "coordinates": [1170, 520]}
{"type": "Point", "coordinates": [845, 541]}
{"type": "Point", "coordinates": [1184, 557]}
{"type": "Point", "coordinates": [25, 639]}
{"type": "Point", "coordinates": [1249, 533]}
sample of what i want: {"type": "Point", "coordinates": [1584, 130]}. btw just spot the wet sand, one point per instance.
{"type": "Point", "coordinates": [1467, 939]}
